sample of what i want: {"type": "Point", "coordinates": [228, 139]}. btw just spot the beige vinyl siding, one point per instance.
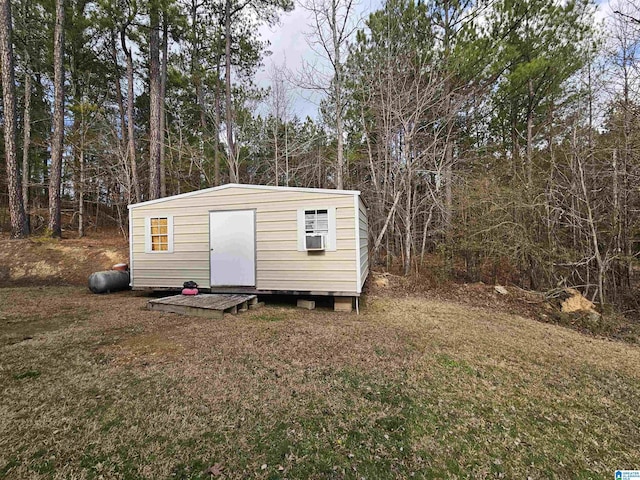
{"type": "Point", "coordinates": [280, 266]}
{"type": "Point", "coordinates": [364, 242]}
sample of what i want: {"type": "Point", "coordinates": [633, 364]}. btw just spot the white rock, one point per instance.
{"type": "Point", "coordinates": [501, 290]}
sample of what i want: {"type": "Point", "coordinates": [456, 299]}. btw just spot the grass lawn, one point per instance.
{"type": "Point", "coordinates": [98, 387]}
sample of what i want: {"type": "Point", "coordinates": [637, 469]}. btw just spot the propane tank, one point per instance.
{"type": "Point", "coordinates": [109, 281]}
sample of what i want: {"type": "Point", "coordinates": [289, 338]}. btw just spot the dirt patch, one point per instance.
{"type": "Point", "coordinates": [516, 301]}
{"type": "Point", "coordinates": [39, 269]}
{"type": "Point", "coordinates": [115, 257]}
{"type": "Point", "coordinates": [150, 344]}
{"type": "Point", "coordinates": [57, 262]}
{"type": "Point", "coordinates": [535, 305]}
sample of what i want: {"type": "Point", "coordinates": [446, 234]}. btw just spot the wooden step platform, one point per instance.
{"type": "Point", "coordinates": [203, 305]}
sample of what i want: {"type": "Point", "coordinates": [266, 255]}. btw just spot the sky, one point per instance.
{"type": "Point", "coordinates": [289, 47]}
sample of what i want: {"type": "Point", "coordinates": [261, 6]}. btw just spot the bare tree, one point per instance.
{"type": "Point", "coordinates": [57, 136]}
{"type": "Point", "coordinates": [624, 88]}
{"type": "Point", "coordinates": [279, 109]}
{"type": "Point", "coordinates": [333, 25]}
{"type": "Point", "coordinates": [264, 11]}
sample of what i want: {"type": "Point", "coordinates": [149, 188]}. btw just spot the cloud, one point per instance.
{"type": "Point", "coordinates": [290, 48]}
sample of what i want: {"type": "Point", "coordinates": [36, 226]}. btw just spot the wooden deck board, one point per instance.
{"type": "Point", "coordinates": [203, 305]}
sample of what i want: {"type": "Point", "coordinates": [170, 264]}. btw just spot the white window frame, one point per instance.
{"type": "Point", "coordinates": [330, 238]}
{"type": "Point", "coordinates": [147, 235]}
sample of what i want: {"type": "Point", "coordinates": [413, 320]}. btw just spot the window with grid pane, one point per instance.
{"type": "Point", "coordinates": [159, 234]}
{"type": "Point", "coordinates": [316, 222]}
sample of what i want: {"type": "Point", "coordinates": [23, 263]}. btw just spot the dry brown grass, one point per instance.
{"type": "Point", "coordinates": [46, 261]}
{"type": "Point", "coordinates": [104, 388]}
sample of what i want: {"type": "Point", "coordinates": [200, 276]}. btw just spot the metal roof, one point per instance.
{"type": "Point", "coordinates": [240, 185]}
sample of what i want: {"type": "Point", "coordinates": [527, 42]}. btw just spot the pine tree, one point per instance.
{"type": "Point", "coordinates": [19, 226]}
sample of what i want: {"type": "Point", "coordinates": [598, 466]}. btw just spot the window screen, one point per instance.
{"type": "Point", "coordinates": [159, 234]}
{"type": "Point", "coordinates": [316, 221]}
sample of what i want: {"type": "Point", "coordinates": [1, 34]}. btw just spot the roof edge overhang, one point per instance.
{"type": "Point", "coordinates": [246, 186]}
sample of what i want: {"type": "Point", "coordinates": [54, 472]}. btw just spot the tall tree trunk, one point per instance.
{"type": "Point", "coordinates": [155, 100]}
{"type": "Point", "coordinates": [286, 153]}
{"type": "Point", "coordinates": [529, 166]}
{"type": "Point", "coordinates": [372, 169]}
{"type": "Point", "coordinates": [425, 231]}
{"type": "Point", "coordinates": [16, 207]}
{"type": "Point", "coordinates": [196, 75]}
{"type": "Point", "coordinates": [216, 139]}
{"type": "Point", "coordinates": [625, 158]}
{"type": "Point", "coordinates": [131, 139]}
{"type": "Point", "coordinates": [448, 188]}
{"type": "Point", "coordinates": [617, 227]}
{"type": "Point", "coordinates": [617, 230]}
{"type": "Point", "coordinates": [163, 93]}
{"type": "Point", "coordinates": [275, 150]}
{"type": "Point", "coordinates": [81, 194]}
{"type": "Point", "coordinates": [117, 86]}
{"type": "Point", "coordinates": [408, 234]}
{"type": "Point", "coordinates": [203, 126]}
{"type": "Point", "coordinates": [383, 230]}
{"type": "Point", "coordinates": [624, 220]}
{"type": "Point", "coordinates": [57, 136]}
{"type": "Point", "coordinates": [200, 171]}
{"type": "Point", "coordinates": [593, 232]}
{"type": "Point", "coordinates": [515, 143]}
{"type": "Point", "coordinates": [26, 143]}
{"type": "Point", "coordinates": [232, 160]}
{"type": "Point", "coordinates": [448, 152]}
{"type": "Point", "coordinates": [122, 116]}
{"type": "Point", "coordinates": [338, 94]}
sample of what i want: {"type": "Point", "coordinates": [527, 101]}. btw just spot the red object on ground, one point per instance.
{"type": "Point", "coordinates": [123, 267]}
{"type": "Point", "coordinates": [189, 291]}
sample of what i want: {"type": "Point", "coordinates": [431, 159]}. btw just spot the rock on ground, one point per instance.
{"type": "Point", "coordinates": [576, 302]}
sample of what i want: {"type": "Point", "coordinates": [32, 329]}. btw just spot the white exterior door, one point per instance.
{"type": "Point", "coordinates": [232, 240]}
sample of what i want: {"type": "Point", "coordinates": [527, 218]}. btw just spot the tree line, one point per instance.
{"type": "Point", "coordinates": [491, 140]}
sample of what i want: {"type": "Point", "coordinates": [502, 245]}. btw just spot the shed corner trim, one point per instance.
{"type": "Point", "coordinates": [356, 215]}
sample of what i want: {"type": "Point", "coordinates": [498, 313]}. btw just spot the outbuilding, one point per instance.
{"type": "Point", "coordinates": [252, 239]}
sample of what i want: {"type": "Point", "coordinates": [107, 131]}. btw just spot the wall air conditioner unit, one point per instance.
{"type": "Point", "coordinates": [314, 242]}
